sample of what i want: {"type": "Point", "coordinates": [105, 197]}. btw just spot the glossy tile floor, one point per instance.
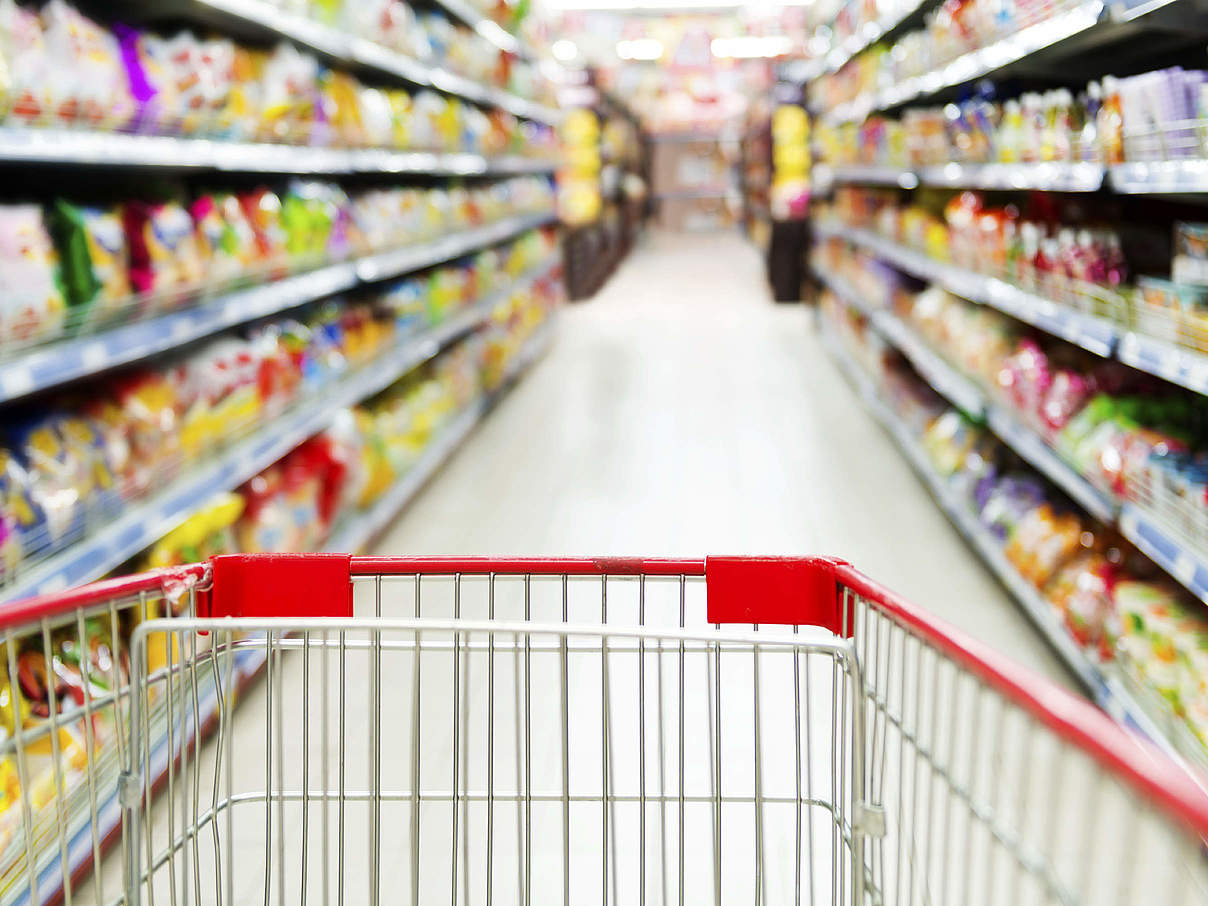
{"type": "Point", "coordinates": [680, 412]}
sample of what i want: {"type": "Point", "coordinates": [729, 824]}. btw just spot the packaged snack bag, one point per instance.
{"type": "Point", "coordinates": [95, 263]}
{"type": "Point", "coordinates": [60, 478]}
{"type": "Point", "coordinates": [32, 305]}
{"type": "Point", "coordinates": [402, 135]}
{"type": "Point", "coordinates": [1082, 591]}
{"type": "Point", "coordinates": [217, 243]}
{"type": "Point", "coordinates": [262, 210]}
{"type": "Point", "coordinates": [28, 96]}
{"type": "Point", "coordinates": [144, 409]}
{"type": "Point", "coordinates": [1043, 540]}
{"type": "Point", "coordinates": [21, 513]}
{"type": "Point", "coordinates": [205, 534]}
{"type": "Point", "coordinates": [288, 95]}
{"type": "Point", "coordinates": [264, 526]}
{"type": "Point", "coordinates": [341, 101]}
{"type": "Point", "coordinates": [88, 69]}
{"type": "Point", "coordinates": [165, 257]}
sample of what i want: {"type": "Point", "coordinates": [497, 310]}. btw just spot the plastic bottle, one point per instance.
{"type": "Point", "coordinates": [1010, 134]}
{"type": "Point", "coordinates": [1088, 138]}
{"type": "Point", "coordinates": [1111, 123]}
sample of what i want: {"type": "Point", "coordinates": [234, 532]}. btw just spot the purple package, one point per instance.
{"type": "Point", "coordinates": [1013, 497]}
{"type": "Point", "coordinates": [146, 117]}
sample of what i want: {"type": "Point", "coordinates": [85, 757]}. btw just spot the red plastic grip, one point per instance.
{"type": "Point", "coordinates": [279, 585]}
{"type": "Point", "coordinates": [785, 591]}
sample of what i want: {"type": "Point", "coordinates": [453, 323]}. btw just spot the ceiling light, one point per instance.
{"type": "Point", "coordinates": [751, 47]}
{"type": "Point", "coordinates": [564, 50]}
{"type": "Point", "coordinates": [646, 49]}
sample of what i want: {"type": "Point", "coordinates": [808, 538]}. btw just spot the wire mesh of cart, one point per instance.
{"type": "Point", "coordinates": [334, 729]}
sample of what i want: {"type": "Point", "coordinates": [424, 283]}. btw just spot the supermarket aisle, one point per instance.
{"type": "Point", "coordinates": [680, 413]}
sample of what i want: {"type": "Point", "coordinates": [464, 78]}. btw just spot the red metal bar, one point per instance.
{"type": "Point", "coordinates": [537, 566]}
{"type": "Point", "coordinates": [1143, 766]}
{"type": "Point", "coordinates": [159, 581]}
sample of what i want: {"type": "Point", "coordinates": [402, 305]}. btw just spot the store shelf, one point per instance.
{"type": "Point", "coordinates": [1108, 689]}
{"type": "Point", "coordinates": [145, 521]}
{"type": "Point", "coordinates": [826, 175]}
{"type": "Point", "coordinates": [1092, 333]}
{"type": "Point", "coordinates": [1043, 176]}
{"type": "Point", "coordinates": [966, 395]}
{"type": "Point", "coordinates": [1032, 447]}
{"type": "Point", "coordinates": [384, 265]}
{"type": "Point", "coordinates": [1160, 177]}
{"type": "Point", "coordinates": [273, 21]}
{"type": "Point", "coordinates": [688, 194]}
{"type": "Point", "coordinates": [950, 383]}
{"type": "Point", "coordinates": [1162, 546]}
{"type": "Point", "coordinates": [1166, 360]}
{"type": "Point", "coordinates": [70, 360]}
{"type": "Point", "coordinates": [79, 147]}
{"type": "Point", "coordinates": [871, 33]}
{"type": "Point", "coordinates": [486, 28]}
{"type": "Point", "coordinates": [975, 64]}
{"type": "Point", "coordinates": [249, 663]}
{"type": "Point", "coordinates": [361, 529]}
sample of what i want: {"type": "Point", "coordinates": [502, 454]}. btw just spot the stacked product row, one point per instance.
{"type": "Point", "coordinates": [71, 268]}
{"type": "Point", "coordinates": [70, 466]}
{"type": "Point", "coordinates": [1113, 602]}
{"type": "Point", "coordinates": [952, 29]}
{"type": "Point", "coordinates": [1159, 115]}
{"type": "Point", "coordinates": [1056, 248]}
{"type": "Point", "coordinates": [66, 70]}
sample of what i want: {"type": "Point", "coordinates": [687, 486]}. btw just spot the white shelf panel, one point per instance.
{"type": "Point", "coordinates": [79, 147]}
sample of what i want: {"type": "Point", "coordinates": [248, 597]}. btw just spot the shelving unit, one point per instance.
{"type": "Point", "coordinates": [143, 522]}
{"type": "Point", "coordinates": [249, 663]}
{"type": "Point", "coordinates": [359, 530]}
{"type": "Point", "coordinates": [67, 160]}
{"type": "Point", "coordinates": [967, 396]}
{"type": "Point", "coordinates": [1063, 34]}
{"type": "Point", "coordinates": [1092, 333]}
{"type": "Point", "coordinates": [1112, 690]}
{"type": "Point", "coordinates": [62, 362]}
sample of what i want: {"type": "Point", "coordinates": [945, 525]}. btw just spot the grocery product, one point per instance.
{"type": "Point", "coordinates": [69, 70]}
{"type": "Point", "coordinates": [33, 307]}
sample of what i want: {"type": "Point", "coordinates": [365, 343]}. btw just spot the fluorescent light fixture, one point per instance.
{"type": "Point", "coordinates": [564, 50]}
{"type": "Point", "coordinates": [751, 47]}
{"type": "Point", "coordinates": [645, 49]}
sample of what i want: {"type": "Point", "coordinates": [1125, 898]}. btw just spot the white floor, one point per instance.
{"type": "Point", "coordinates": [680, 412]}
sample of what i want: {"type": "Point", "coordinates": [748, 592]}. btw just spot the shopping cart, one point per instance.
{"type": "Point", "coordinates": [428, 730]}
